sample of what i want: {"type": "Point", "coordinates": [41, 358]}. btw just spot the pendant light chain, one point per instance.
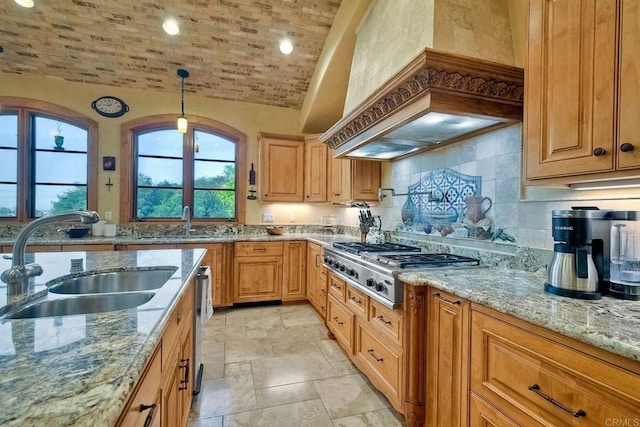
{"type": "Point", "coordinates": [182, 120]}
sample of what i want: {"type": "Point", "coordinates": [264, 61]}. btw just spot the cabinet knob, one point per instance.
{"type": "Point", "coordinates": [626, 147]}
{"type": "Point", "coordinates": [599, 152]}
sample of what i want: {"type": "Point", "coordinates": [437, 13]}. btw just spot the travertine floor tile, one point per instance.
{"type": "Point", "coordinates": [245, 350]}
{"type": "Point", "coordinates": [225, 396]}
{"type": "Point", "coordinates": [331, 350]}
{"type": "Point", "coordinates": [348, 395]}
{"type": "Point", "coordinates": [343, 367]}
{"type": "Point", "coordinates": [238, 368]}
{"type": "Point", "coordinates": [213, 366]}
{"type": "Point", "coordinates": [206, 422]}
{"type": "Point", "coordinates": [290, 393]}
{"type": "Point", "coordinates": [290, 369]}
{"type": "Point", "coordinates": [379, 418]}
{"type": "Point", "coordinates": [302, 414]}
{"type": "Point", "coordinates": [225, 333]}
{"type": "Point", "coordinates": [294, 347]}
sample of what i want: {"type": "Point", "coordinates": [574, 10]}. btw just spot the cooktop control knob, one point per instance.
{"type": "Point", "coordinates": [351, 272]}
{"type": "Point", "coordinates": [370, 283]}
{"type": "Point", "coordinates": [342, 267]}
{"type": "Point", "coordinates": [380, 287]}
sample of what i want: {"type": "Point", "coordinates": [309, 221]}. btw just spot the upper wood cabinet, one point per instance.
{"type": "Point", "coordinates": [281, 168]}
{"type": "Point", "coordinates": [353, 179]}
{"type": "Point", "coordinates": [579, 75]}
{"type": "Point", "coordinates": [315, 170]}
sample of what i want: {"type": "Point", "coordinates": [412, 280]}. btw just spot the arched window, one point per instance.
{"type": "Point", "coordinates": [48, 159]}
{"type": "Point", "coordinates": [202, 169]}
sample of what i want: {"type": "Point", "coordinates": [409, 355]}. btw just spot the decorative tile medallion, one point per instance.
{"type": "Point", "coordinates": [443, 199]}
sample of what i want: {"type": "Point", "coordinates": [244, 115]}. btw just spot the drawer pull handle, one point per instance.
{"type": "Point", "coordinates": [259, 249]}
{"type": "Point", "coordinates": [441, 298]}
{"type": "Point", "coordinates": [536, 389]}
{"type": "Point", "coordinates": [370, 351]}
{"type": "Point", "coordinates": [381, 318]}
{"type": "Point", "coordinates": [599, 152]}
{"type": "Point", "coordinates": [338, 321]}
{"type": "Point", "coordinates": [336, 286]}
{"type": "Point", "coordinates": [184, 363]}
{"type": "Point", "coordinates": [626, 147]}
{"type": "Point", "coordinates": [147, 421]}
{"type": "Point", "coordinates": [356, 300]}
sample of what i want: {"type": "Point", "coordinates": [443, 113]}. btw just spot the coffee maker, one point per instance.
{"type": "Point", "coordinates": [580, 264]}
{"type": "Point", "coordinates": [625, 255]}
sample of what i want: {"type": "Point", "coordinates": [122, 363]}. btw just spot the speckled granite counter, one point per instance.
{"type": "Point", "coordinates": [79, 370]}
{"type": "Point", "coordinates": [609, 323]}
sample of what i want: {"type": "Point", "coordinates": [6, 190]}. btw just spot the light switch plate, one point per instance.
{"type": "Point", "coordinates": [108, 216]}
{"type": "Point", "coordinates": [267, 217]}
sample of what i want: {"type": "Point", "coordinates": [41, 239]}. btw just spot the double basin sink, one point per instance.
{"type": "Point", "coordinates": [96, 292]}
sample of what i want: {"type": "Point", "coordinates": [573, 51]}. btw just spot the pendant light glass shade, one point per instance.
{"type": "Point", "coordinates": [182, 120]}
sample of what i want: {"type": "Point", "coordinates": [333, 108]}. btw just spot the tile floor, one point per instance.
{"type": "Point", "coordinates": [275, 366]}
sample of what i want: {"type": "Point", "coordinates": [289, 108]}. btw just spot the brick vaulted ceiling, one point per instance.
{"type": "Point", "coordinates": [230, 47]}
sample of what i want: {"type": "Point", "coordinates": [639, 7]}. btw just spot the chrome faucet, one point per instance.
{"type": "Point", "coordinates": [186, 216]}
{"type": "Point", "coordinates": [18, 275]}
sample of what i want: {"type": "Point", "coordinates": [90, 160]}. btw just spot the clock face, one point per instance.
{"type": "Point", "coordinates": [110, 106]}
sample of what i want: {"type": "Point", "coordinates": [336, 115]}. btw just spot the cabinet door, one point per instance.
{"type": "Point", "coordinates": [570, 87]}
{"type": "Point", "coordinates": [315, 170]}
{"type": "Point", "coordinates": [257, 278]}
{"type": "Point", "coordinates": [186, 368]}
{"type": "Point", "coordinates": [313, 279]}
{"type": "Point", "coordinates": [629, 91]}
{"type": "Point", "coordinates": [171, 403]}
{"type": "Point", "coordinates": [281, 169]}
{"type": "Point", "coordinates": [294, 280]}
{"type": "Point", "coordinates": [339, 179]}
{"type": "Point", "coordinates": [145, 405]}
{"type": "Point", "coordinates": [365, 180]}
{"type": "Point", "coordinates": [448, 360]}
{"type": "Point", "coordinates": [484, 415]}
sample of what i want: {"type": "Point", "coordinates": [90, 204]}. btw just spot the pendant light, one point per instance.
{"type": "Point", "coordinates": [182, 120]}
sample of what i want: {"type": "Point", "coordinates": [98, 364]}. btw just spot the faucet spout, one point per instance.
{"type": "Point", "coordinates": [186, 216]}
{"type": "Point", "coordinates": [20, 272]}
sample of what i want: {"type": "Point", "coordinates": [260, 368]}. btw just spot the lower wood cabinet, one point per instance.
{"type": "Point", "coordinates": [257, 271]}
{"type": "Point", "coordinates": [372, 343]}
{"type": "Point", "coordinates": [448, 360]}
{"type": "Point", "coordinates": [536, 380]}
{"type": "Point", "coordinates": [316, 279]}
{"type": "Point", "coordinates": [483, 414]}
{"type": "Point", "coordinates": [294, 276]}
{"type": "Point", "coordinates": [162, 396]}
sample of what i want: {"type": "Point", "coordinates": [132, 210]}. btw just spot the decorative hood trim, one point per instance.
{"type": "Point", "coordinates": [433, 81]}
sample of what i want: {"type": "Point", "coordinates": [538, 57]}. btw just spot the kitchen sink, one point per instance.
{"type": "Point", "coordinates": [82, 304]}
{"type": "Point", "coordinates": [116, 281]}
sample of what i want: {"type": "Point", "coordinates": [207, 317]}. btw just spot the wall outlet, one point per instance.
{"type": "Point", "coordinates": [292, 217]}
{"type": "Point", "coordinates": [108, 216]}
{"type": "Point", "coordinates": [267, 217]}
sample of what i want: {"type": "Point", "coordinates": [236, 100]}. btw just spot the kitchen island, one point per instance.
{"type": "Point", "coordinates": [80, 370]}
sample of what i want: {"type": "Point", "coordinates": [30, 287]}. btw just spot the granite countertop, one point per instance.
{"type": "Point", "coordinates": [610, 324]}
{"type": "Point", "coordinates": [80, 370]}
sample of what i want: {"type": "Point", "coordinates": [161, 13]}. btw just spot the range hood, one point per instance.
{"type": "Point", "coordinates": [438, 98]}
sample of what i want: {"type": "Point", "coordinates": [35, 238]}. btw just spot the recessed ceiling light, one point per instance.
{"type": "Point", "coordinates": [286, 46]}
{"type": "Point", "coordinates": [170, 26]}
{"type": "Point", "coordinates": [25, 3]}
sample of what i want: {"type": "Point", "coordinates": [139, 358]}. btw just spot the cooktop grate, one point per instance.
{"type": "Point", "coordinates": [357, 247]}
{"type": "Point", "coordinates": [425, 260]}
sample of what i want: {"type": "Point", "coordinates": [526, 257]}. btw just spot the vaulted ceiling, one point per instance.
{"type": "Point", "coordinates": [230, 47]}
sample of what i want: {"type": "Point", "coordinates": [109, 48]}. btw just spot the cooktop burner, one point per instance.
{"type": "Point", "coordinates": [357, 247]}
{"type": "Point", "coordinates": [409, 260]}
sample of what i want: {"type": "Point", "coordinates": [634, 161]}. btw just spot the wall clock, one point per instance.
{"type": "Point", "coordinates": [110, 106]}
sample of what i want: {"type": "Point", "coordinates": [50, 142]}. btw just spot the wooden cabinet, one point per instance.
{"type": "Point", "coordinates": [219, 258]}
{"type": "Point", "coordinates": [143, 407]}
{"type": "Point", "coordinates": [257, 271]}
{"type": "Point", "coordinates": [315, 170]}
{"type": "Point", "coordinates": [87, 248]}
{"type": "Point", "coordinates": [163, 394]}
{"type": "Point", "coordinates": [281, 168]}
{"type": "Point", "coordinates": [535, 380]}
{"type": "Point", "coordinates": [373, 344]}
{"type": "Point", "coordinates": [353, 179]}
{"type": "Point", "coordinates": [481, 414]}
{"type": "Point", "coordinates": [578, 78]}
{"type": "Point", "coordinates": [448, 360]}
{"type": "Point", "coordinates": [316, 279]}
{"type": "Point", "coordinates": [294, 278]}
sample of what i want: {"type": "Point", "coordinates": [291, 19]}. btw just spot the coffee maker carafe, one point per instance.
{"type": "Point", "coordinates": [625, 255]}
{"type": "Point", "coordinates": [578, 268]}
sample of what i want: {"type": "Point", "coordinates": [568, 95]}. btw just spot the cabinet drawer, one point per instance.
{"type": "Point", "coordinates": [340, 323]}
{"type": "Point", "coordinates": [258, 248]}
{"type": "Point", "coordinates": [146, 394]}
{"type": "Point", "coordinates": [483, 415]}
{"type": "Point", "coordinates": [337, 288]}
{"type": "Point", "coordinates": [181, 318]}
{"type": "Point", "coordinates": [387, 321]}
{"type": "Point", "coordinates": [518, 372]}
{"type": "Point", "coordinates": [381, 362]}
{"type": "Point", "coordinates": [357, 302]}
